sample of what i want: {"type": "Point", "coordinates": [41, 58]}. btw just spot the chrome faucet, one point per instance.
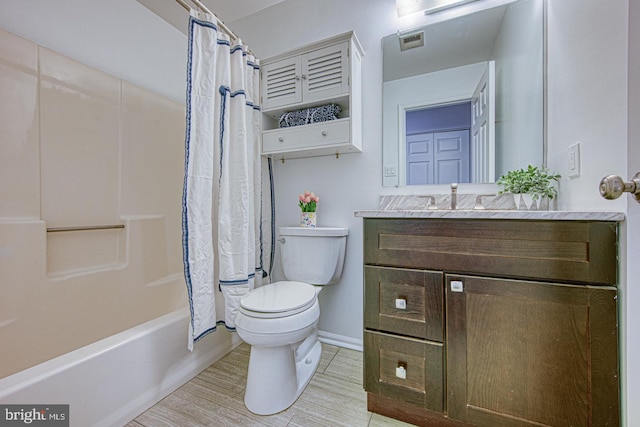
{"type": "Point", "coordinates": [454, 196]}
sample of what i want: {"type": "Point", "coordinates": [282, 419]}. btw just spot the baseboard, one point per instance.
{"type": "Point", "coordinates": [340, 340]}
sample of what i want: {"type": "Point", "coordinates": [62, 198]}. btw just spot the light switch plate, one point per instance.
{"type": "Point", "coordinates": [574, 160]}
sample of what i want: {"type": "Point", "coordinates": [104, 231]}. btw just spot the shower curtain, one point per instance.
{"type": "Point", "coordinates": [227, 199]}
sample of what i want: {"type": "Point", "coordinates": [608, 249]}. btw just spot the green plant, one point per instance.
{"type": "Point", "coordinates": [536, 181]}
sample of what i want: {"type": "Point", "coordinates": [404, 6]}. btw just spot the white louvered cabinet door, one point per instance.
{"type": "Point", "coordinates": [282, 83]}
{"type": "Point", "coordinates": [325, 73]}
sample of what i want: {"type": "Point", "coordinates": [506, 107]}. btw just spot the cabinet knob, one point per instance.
{"type": "Point", "coordinates": [297, 78]}
{"type": "Point", "coordinates": [304, 77]}
{"type": "Point", "coordinates": [324, 133]}
{"type": "Point", "coordinates": [401, 370]}
{"type": "Point", "coordinates": [281, 139]}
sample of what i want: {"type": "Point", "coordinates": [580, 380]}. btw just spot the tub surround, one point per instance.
{"type": "Point", "coordinates": [82, 147]}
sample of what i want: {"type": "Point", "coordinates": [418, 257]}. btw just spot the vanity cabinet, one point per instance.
{"type": "Point", "coordinates": [491, 322]}
{"type": "Point", "coordinates": [326, 72]}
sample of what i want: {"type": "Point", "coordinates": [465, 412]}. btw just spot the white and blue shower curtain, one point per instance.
{"type": "Point", "coordinates": [227, 197]}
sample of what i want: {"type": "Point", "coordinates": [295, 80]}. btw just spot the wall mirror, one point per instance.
{"type": "Point", "coordinates": [468, 104]}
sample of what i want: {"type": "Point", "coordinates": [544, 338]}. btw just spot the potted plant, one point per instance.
{"type": "Point", "coordinates": [537, 183]}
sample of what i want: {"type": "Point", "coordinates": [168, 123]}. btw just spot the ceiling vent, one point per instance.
{"type": "Point", "coordinates": [411, 41]}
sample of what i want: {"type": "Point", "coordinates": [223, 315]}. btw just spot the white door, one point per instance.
{"type": "Point", "coordinates": [483, 146]}
{"type": "Point", "coordinates": [420, 159]}
{"type": "Point", "coordinates": [451, 156]}
{"type": "Point", "coordinates": [633, 222]}
{"type": "Point", "coordinates": [325, 73]}
{"type": "Point", "coordinates": [438, 157]}
{"type": "Point", "coordinates": [281, 83]}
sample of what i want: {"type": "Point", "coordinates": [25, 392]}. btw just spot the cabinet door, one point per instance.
{"type": "Point", "coordinates": [525, 353]}
{"type": "Point", "coordinates": [281, 83]}
{"type": "Point", "coordinates": [403, 301]}
{"type": "Point", "coordinates": [325, 73]}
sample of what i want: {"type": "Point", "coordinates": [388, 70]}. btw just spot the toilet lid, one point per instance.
{"type": "Point", "coordinates": [278, 298]}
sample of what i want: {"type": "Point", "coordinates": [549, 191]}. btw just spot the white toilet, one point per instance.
{"type": "Point", "coordinates": [280, 320]}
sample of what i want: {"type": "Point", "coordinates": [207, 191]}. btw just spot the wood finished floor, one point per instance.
{"type": "Point", "coordinates": [214, 398]}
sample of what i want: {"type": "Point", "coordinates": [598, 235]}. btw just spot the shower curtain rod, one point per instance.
{"type": "Point", "coordinates": [203, 8]}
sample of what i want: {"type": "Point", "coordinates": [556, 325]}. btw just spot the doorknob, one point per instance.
{"type": "Point", "coordinates": [612, 187]}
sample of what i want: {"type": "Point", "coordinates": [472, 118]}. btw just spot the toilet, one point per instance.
{"type": "Point", "coordinates": [280, 320]}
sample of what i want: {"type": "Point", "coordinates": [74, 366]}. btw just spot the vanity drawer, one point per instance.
{"type": "Point", "coordinates": [572, 251]}
{"type": "Point", "coordinates": [404, 301]}
{"type": "Point", "coordinates": [404, 369]}
{"type": "Point", "coordinates": [310, 136]}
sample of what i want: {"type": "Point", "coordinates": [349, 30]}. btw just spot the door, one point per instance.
{"type": "Point", "coordinates": [524, 353]}
{"type": "Point", "coordinates": [632, 373]}
{"type": "Point", "coordinates": [281, 83]}
{"type": "Point", "coordinates": [451, 157]}
{"type": "Point", "coordinates": [483, 127]}
{"type": "Point", "coordinates": [325, 73]}
{"type": "Point", "coordinates": [420, 159]}
{"type": "Point", "coordinates": [438, 157]}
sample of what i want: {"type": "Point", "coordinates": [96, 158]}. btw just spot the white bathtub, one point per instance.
{"type": "Point", "coordinates": [110, 382]}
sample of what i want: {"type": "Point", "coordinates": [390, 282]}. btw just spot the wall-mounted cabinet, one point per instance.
{"type": "Point", "coordinates": [327, 72]}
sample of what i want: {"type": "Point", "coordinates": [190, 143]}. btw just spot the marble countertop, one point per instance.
{"type": "Point", "coordinates": [492, 206]}
{"type": "Point", "coordinates": [493, 214]}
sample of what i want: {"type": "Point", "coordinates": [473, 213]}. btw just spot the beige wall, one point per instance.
{"type": "Point", "coordinates": [80, 147]}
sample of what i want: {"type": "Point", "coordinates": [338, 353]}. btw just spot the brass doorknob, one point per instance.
{"type": "Point", "coordinates": [612, 187]}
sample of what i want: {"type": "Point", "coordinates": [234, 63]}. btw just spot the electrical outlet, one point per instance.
{"type": "Point", "coordinates": [574, 160]}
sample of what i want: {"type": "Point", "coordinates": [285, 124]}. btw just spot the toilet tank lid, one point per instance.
{"type": "Point", "coordinates": [318, 231]}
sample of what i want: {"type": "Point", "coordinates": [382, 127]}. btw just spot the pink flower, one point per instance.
{"type": "Point", "coordinates": [307, 201]}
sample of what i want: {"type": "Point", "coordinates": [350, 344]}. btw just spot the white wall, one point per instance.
{"type": "Point", "coordinates": [519, 81]}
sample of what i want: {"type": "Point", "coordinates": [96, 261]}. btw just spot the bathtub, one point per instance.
{"type": "Point", "coordinates": [110, 382]}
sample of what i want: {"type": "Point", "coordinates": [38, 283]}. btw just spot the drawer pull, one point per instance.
{"type": "Point", "coordinates": [401, 303]}
{"type": "Point", "coordinates": [324, 133]}
{"type": "Point", "coordinates": [281, 139]}
{"type": "Point", "coordinates": [401, 370]}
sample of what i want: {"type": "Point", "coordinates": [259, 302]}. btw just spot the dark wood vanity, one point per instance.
{"type": "Point", "coordinates": [491, 322]}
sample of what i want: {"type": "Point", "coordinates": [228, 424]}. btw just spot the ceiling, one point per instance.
{"type": "Point", "coordinates": [226, 10]}
{"type": "Point", "coordinates": [231, 10]}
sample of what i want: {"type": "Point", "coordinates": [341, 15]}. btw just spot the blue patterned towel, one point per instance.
{"type": "Point", "coordinates": [310, 115]}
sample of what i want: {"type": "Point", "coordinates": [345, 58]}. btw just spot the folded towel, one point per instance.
{"type": "Point", "coordinates": [310, 115]}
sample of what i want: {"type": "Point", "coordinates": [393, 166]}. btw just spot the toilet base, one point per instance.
{"type": "Point", "coordinates": [278, 375]}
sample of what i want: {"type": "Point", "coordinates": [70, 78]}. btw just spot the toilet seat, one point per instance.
{"type": "Point", "coordinates": [279, 299]}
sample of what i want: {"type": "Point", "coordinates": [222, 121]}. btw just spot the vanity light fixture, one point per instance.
{"type": "Point", "coordinates": [406, 7]}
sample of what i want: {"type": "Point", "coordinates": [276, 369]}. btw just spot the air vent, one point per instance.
{"type": "Point", "coordinates": [411, 41]}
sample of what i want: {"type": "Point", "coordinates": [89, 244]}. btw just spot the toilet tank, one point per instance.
{"type": "Point", "coordinates": [313, 255]}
